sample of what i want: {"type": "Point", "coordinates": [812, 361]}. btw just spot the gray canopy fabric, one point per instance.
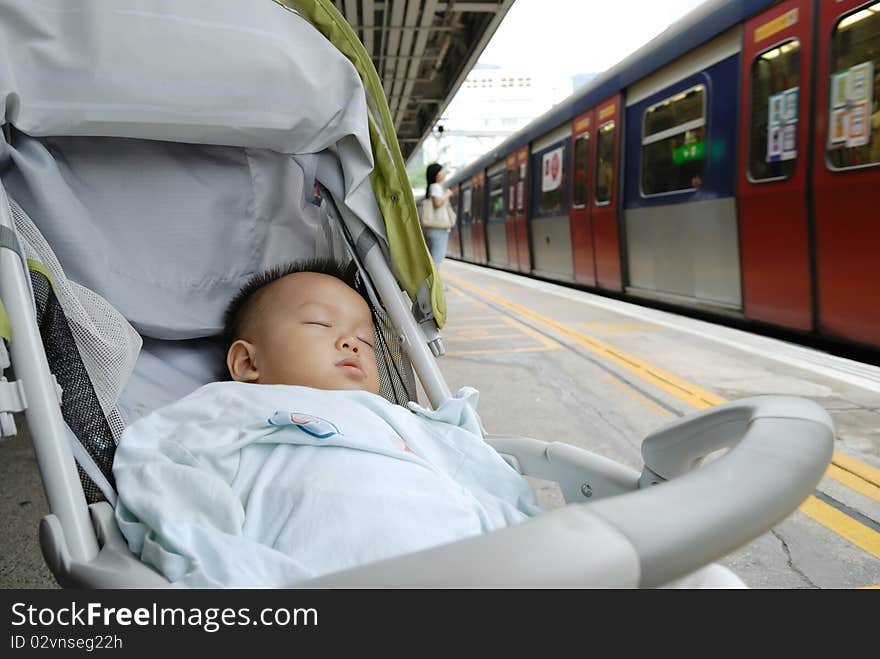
{"type": "Point", "coordinates": [162, 171]}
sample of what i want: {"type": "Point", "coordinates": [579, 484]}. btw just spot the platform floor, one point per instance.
{"type": "Point", "coordinates": [559, 364]}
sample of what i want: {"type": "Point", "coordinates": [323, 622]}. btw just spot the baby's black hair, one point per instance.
{"type": "Point", "coordinates": [239, 308]}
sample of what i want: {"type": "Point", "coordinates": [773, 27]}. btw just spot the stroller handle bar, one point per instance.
{"type": "Point", "coordinates": [780, 447]}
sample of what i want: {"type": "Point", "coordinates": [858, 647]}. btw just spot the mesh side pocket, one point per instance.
{"type": "Point", "coordinates": [107, 345]}
{"type": "Point", "coordinates": [397, 381]}
{"type": "Point", "coordinates": [80, 406]}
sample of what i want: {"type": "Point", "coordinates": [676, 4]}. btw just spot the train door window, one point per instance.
{"type": "Point", "coordinates": [496, 198]}
{"type": "Point", "coordinates": [521, 189]}
{"type": "Point", "coordinates": [854, 115]}
{"type": "Point", "coordinates": [478, 203]}
{"type": "Point", "coordinates": [511, 191]}
{"type": "Point", "coordinates": [673, 143]}
{"type": "Point", "coordinates": [551, 190]}
{"type": "Point", "coordinates": [466, 203]}
{"type": "Point", "coordinates": [579, 176]}
{"type": "Point", "coordinates": [775, 80]}
{"type": "Point", "coordinates": [604, 163]}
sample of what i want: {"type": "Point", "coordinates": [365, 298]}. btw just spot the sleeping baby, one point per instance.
{"type": "Point", "coordinates": [296, 467]}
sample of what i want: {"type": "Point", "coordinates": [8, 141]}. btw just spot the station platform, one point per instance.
{"type": "Point", "coordinates": [559, 364]}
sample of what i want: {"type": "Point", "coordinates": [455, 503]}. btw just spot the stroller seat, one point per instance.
{"type": "Point", "coordinates": [144, 180]}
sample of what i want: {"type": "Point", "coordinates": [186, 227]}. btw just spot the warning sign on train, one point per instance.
{"type": "Point", "coordinates": [782, 125]}
{"type": "Point", "coordinates": [852, 94]}
{"type": "Point", "coordinates": [551, 164]}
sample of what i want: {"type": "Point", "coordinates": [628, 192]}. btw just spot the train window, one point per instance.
{"type": "Point", "coordinates": [673, 142]}
{"type": "Point", "coordinates": [604, 163]}
{"type": "Point", "coordinates": [854, 115]}
{"type": "Point", "coordinates": [466, 199]}
{"type": "Point", "coordinates": [551, 194]}
{"type": "Point", "coordinates": [496, 198]}
{"type": "Point", "coordinates": [521, 189]}
{"type": "Point", "coordinates": [775, 81]}
{"type": "Point", "coordinates": [511, 191]}
{"type": "Point", "coordinates": [477, 204]}
{"type": "Point", "coordinates": [579, 176]}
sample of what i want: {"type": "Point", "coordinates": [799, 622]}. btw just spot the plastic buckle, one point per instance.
{"type": "Point", "coordinates": [433, 338]}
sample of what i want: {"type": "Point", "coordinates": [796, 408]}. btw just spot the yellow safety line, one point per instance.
{"type": "Point", "coordinates": [546, 340]}
{"type": "Point", "coordinates": [686, 391]}
{"type": "Point", "coordinates": [456, 353]}
{"type": "Point", "coordinates": [860, 469]}
{"type": "Point", "coordinates": [619, 328]}
{"type": "Point", "coordinates": [853, 531]}
{"type": "Point", "coordinates": [480, 337]}
{"type": "Point", "coordinates": [464, 328]}
{"type": "Point", "coordinates": [842, 524]}
{"type": "Point", "coordinates": [638, 395]}
{"type": "Point", "coordinates": [853, 481]}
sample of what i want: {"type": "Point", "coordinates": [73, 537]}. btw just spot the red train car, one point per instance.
{"type": "Point", "coordinates": [731, 167]}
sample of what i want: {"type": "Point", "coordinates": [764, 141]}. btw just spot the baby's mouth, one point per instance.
{"type": "Point", "coordinates": [352, 366]}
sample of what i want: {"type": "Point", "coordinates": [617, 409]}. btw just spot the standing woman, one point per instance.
{"type": "Point", "coordinates": [437, 230]}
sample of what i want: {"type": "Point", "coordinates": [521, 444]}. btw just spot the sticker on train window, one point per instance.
{"type": "Point", "coordinates": [854, 95]}
{"type": "Point", "coordinates": [782, 125]}
{"type": "Point", "coordinates": [775, 97]}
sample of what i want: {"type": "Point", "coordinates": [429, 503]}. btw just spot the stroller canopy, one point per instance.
{"type": "Point", "coordinates": [270, 101]}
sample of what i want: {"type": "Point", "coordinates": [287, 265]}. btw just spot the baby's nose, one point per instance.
{"type": "Point", "coordinates": [349, 344]}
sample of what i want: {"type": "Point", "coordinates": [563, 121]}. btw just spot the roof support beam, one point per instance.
{"type": "Point", "coordinates": [428, 16]}
{"type": "Point", "coordinates": [406, 48]}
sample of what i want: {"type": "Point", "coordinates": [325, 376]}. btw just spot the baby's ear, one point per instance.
{"type": "Point", "coordinates": [241, 362]}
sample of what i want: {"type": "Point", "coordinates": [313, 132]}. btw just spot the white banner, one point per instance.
{"type": "Point", "coordinates": [551, 166]}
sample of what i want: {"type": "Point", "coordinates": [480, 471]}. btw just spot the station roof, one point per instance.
{"type": "Point", "coordinates": [423, 51]}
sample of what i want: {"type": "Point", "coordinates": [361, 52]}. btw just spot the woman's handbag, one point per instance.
{"type": "Point", "coordinates": [436, 218]}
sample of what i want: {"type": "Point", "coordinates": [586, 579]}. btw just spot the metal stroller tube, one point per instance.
{"type": "Point", "coordinates": [54, 457]}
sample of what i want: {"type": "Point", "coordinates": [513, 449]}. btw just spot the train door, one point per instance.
{"type": "Point", "coordinates": [773, 220]}
{"type": "Point", "coordinates": [847, 169]}
{"type": "Point", "coordinates": [606, 191]}
{"type": "Point", "coordinates": [581, 200]}
{"type": "Point", "coordinates": [520, 220]}
{"type": "Point", "coordinates": [465, 221]}
{"type": "Point", "coordinates": [478, 234]}
{"type": "Point", "coordinates": [454, 248]}
{"type": "Point", "coordinates": [510, 217]}
{"type": "Point", "coordinates": [549, 221]}
{"type": "Point", "coordinates": [496, 230]}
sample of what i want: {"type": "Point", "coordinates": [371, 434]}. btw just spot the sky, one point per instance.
{"type": "Point", "coordinates": [578, 36]}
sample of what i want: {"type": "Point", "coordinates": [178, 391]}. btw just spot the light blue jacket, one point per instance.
{"type": "Point", "coordinates": [248, 485]}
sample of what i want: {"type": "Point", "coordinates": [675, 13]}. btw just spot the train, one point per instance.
{"type": "Point", "coordinates": [729, 167]}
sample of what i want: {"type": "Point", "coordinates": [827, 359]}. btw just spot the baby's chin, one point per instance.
{"type": "Point", "coordinates": [345, 384]}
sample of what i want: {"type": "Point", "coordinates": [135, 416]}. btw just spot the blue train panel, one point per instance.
{"type": "Point", "coordinates": [715, 148]}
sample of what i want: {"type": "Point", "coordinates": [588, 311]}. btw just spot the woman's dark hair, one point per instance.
{"type": "Point", "coordinates": [431, 175]}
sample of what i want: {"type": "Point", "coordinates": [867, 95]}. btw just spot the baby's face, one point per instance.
{"type": "Point", "coordinates": [312, 330]}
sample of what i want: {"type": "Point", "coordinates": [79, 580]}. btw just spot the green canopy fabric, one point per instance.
{"type": "Point", "coordinates": [411, 262]}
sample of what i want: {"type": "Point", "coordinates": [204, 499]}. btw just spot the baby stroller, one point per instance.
{"type": "Point", "coordinates": [154, 155]}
